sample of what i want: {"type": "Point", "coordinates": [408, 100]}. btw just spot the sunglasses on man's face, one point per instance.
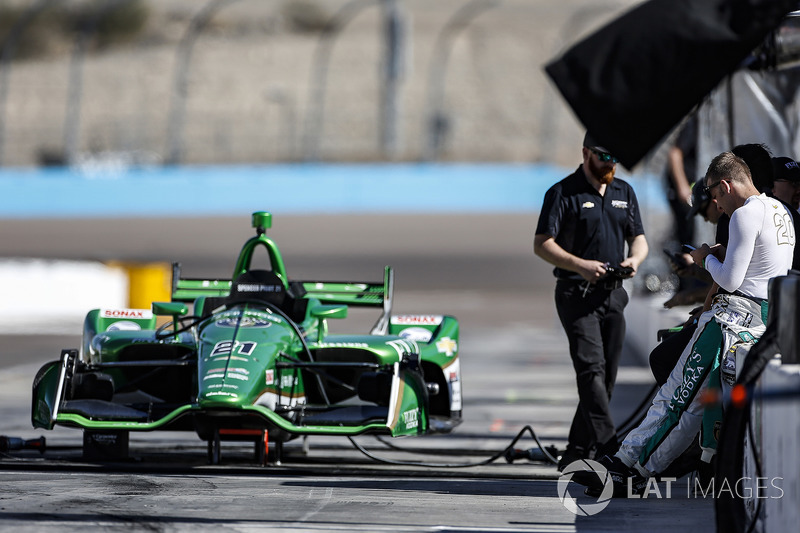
{"type": "Point", "coordinates": [604, 156]}
{"type": "Point", "coordinates": [707, 189]}
{"type": "Point", "coordinates": [794, 184]}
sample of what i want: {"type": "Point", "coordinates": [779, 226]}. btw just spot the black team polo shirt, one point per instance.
{"type": "Point", "coordinates": [589, 225]}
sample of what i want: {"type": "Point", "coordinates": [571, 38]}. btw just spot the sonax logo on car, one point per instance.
{"type": "Point", "coordinates": [416, 320]}
{"type": "Point", "coordinates": [141, 314]}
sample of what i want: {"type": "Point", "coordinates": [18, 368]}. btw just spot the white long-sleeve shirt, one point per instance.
{"type": "Point", "coordinates": [760, 247]}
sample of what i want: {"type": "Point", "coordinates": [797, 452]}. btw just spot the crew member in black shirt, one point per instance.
{"type": "Point", "coordinates": [585, 222]}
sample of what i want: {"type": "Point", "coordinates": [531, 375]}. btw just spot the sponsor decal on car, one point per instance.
{"type": "Point", "coordinates": [403, 347]}
{"type": "Point", "coordinates": [411, 418]}
{"type": "Point", "coordinates": [243, 322]}
{"type": "Point", "coordinates": [258, 287]}
{"type": "Point", "coordinates": [447, 346]}
{"type": "Point", "coordinates": [270, 400]}
{"type": "Point", "coordinates": [417, 320]}
{"type": "Point", "coordinates": [229, 347]}
{"type": "Point", "coordinates": [124, 325]}
{"type": "Point", "coordinates": [287, 382]}
{"type": "Point", "coordinates": [343, 345]}
{"type": "Point", "coordinates": [139, 314]}
{"type": "Point", "coordinates": [230, 358]}
{"type": "Point", "coordinates": [453, 373]}
{"type": "Point", "coordinates": [222, 386]}
{"type": "Point", "coordinates": [416, 334]}
{"type": "Point", "coordinates": [241, 374]}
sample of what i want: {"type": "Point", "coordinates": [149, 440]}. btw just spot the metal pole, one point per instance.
{"type": "Point", "coordinates": [395, 36]}
{"type": "Point", "coordinates": [319, 76]}
{"type": "Point", "coordinates": [75, 88]}
{"type": "Point", "coordinates": [731, 110]}
{"type": "Point", "coordinates": [436, 120]}
{"type": "Point", "coordinates": [9, 51]}
{"type": "Point", "coordinates": [180, 91]}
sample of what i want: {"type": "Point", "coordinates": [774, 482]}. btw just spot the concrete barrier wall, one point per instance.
{"type": "Point", "coordinates": [288, 189]}
{"type": "Point", "coordinates": [53, 297]}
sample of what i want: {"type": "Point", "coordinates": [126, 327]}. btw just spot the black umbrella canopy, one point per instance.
{"type": "Point", "coordinates": [633, 80]}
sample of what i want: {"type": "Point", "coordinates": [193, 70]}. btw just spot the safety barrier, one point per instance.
{"type": "Point", "coordinates": [772, 462]}
{"type": "Point", "coordinates": [52, 297]}
{"type": "Point", "coordinates": [777, 426]}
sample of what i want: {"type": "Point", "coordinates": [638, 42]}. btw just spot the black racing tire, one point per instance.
{"type": "Point", "coordinates": [214, 449]}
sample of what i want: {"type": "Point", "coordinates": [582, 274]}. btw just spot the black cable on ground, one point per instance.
{"type": "Point", "coordinates": [491, 459]}
{"type": "Point", "coordinates": [635, 418]}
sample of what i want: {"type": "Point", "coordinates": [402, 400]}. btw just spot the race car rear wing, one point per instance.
{"type": "Point", "coordinates": [188, 289]}
{"type": "Point", "coordinates": [357, 293]}
{"type": "Point", "coordinates": [351, 293]}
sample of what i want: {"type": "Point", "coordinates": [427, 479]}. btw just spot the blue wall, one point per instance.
{"type": "Point", "coordinates": [286, 189]}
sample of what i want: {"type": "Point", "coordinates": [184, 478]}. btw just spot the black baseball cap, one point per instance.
{"type": "Point", "coordinates": [589, 142]}
{"type": "Point", "coordinates": [700, 198]}
{"type": "Point", "coordinates": [785, 168]}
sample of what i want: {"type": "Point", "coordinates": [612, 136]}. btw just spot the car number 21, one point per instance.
{"type": "Point", "coordinates": [228, 347]}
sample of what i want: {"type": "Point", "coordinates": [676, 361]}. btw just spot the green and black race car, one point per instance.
{"type": "Point", "coordinates": [254, 361]}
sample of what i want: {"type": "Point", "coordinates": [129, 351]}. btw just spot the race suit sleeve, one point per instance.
{"type": "Point", "coordinates": [741, 244]}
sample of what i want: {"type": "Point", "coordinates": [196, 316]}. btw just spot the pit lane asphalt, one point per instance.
{"type": "Point", "coordinates": [516, 372]}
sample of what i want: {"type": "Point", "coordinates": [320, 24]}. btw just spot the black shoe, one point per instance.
{"type": "Point", "coordinates": [619, 473]}
{"type": "Point", "coordinates": [570, 455]}
{"type": "Point", "coordinates": [586, 475]}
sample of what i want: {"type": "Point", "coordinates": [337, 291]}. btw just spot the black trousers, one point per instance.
{"type": "Point", "coordinates": [595, 326]}
{"type": "Point", "coordinates": [665, 356]}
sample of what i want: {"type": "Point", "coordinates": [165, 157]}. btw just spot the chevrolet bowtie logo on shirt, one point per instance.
{"type": "Point", "coordinates": [619, 204]}
{"type": "Point", "coordinates": [588, 205]}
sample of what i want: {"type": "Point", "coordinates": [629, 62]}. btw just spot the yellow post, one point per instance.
{"type": "Point", "coordinates": [148, 283]}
